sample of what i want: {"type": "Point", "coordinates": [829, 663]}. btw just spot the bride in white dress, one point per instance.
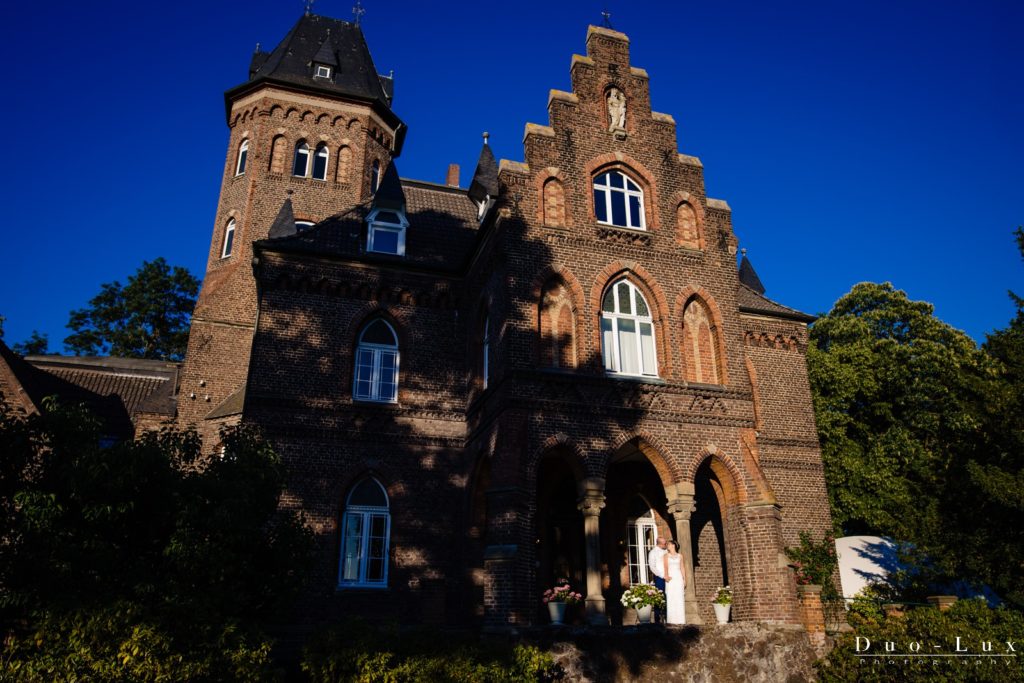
{"type": "Point", "coordinates": [675, 586]}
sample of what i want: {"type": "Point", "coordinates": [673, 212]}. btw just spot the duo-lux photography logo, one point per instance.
{"type": "Point", "coordinates": [918, 652]}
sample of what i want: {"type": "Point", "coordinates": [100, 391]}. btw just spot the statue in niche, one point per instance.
{"type": "Point", "coordinates": [616, 110]}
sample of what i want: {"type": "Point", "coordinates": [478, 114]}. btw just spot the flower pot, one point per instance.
{"type": "Point", "coordinates": [557, 612]}
{"type": "Point", "coordinates": [722, 612]}
{"type": "Point", "coordinates": [644, 614]}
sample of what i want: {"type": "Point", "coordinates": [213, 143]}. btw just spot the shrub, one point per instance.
{"type": "Point", "coordinates": [815, 563]}
{"type": "Point", "coordinates": [642, 595]}
{"type": "Point", "coordinates": [970, 620]}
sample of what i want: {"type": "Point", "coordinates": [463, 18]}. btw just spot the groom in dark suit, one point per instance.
{"type": "Point", "coordinates": [656, 565]}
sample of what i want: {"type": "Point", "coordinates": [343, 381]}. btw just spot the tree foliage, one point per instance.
{"type": "Point", "coordinates": [36, 344]}
{"type": "Point", "coordinates": [143, 554]}
{"type": "Point", "coordinates": [147, 318]}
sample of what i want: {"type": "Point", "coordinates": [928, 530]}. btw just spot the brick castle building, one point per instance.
{"type": "Point", "coordinates": [477, 390]}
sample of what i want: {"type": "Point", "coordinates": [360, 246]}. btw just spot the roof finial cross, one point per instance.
{"type": "Point", "coordinates": [607, 23]}
{"type": "Point", "coordinates": [309, 7]}
{"type": "Point", "coordinates": [358, 11]}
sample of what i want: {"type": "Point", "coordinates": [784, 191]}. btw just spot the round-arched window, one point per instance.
{"type": "Point", "coordinates": [365, 536]}
{"type": "Point", "coordinates": [376, 373]}
{"type": "Point", "coordinates": [618, 201]}
{"type": "Point", "coordinates": [627, 331]}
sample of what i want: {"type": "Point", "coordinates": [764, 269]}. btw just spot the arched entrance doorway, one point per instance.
{"type": "Point", "coordinates": [561, 551]}
{"type": "Point", "coordinates": [709, 535]}
{"type": "Point", "coordinates": [635, 514]}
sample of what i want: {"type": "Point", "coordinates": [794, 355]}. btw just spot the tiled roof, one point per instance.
{"type": "Point", "coordinates": [752, 302]}
{"type": "Point", "coordinates": [442, 230]}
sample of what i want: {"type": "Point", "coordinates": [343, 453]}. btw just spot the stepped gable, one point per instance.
{"type": "Point", "coordinates": [442, 230]}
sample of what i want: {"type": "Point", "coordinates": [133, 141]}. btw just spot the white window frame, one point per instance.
{"type": "Point", "coordinates": [377, 352]}
{"type": "Point", "coordinates": [302, 147]}
{"type": "Point", "coordinates": [376, 226]}
{"type": "Point", "coordinates": [374, 176]}
{"type": "Point", "coordinates": [614, 320]}
{"type": "Point", "coordinates": [638, 531]}
{"type": "Point", "coordinates": [243, 158]}
{"type": "Point", "coordinates": [303, 225]}
{"type": "Point", "coordinates": [322, 71]}
{"type": "Point", "coordinates": [228, 245]}
{"type": "Point", "coordinates": [366, 513]}
{"type": "Point", "coordinates": [606, 189]}
{"type": "Point", "coordinates": [321, 151]}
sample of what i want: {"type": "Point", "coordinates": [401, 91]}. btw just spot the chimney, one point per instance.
{"type": "Point", "coordinates": [453, 175]}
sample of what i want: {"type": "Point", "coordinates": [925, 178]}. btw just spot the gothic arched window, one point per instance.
{"type": "Point", "coordinates": [557, 327]}
{"type": "Point", "coordinates": [300, 167]}
{"type": "Point", "coordinates": [376, 375]}
{"type": "Point", "coordinates": [229, 239]}
{"type": "Point", "coordinates": [243, 157]}
{"type": "Point", "coordinates": [320, 162]}
{"type": "Point", "coordinates": [700, 345]}
{"type": "Point", "coordinates": [344, 162]}
{"type": "Point", "coordinates": [618, 201]}
{"type": "Point", "coordinates": [374, 176]}
{"type": "Point", "coordinates": [278, 154]}
{"type": "Point", "coordinates": [554, 203]}
{"type": "Point", "coordinates": [627, 331]}
{"type": "Point", "coordinates": [365, 536]}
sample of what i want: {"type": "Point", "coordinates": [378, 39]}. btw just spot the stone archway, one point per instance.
{"type": "Point", "coordinates": [709, 537]}
{"type": "Point", "coordinates": [561, 551]}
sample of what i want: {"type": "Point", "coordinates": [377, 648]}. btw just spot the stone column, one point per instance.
{"type": "Point", "coordinates": [590, 503]}
{"type": "Point", "coordinates": [681, 506]}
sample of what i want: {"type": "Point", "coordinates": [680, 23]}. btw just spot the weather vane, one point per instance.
{"type": "Point", "coordinates": [607, 18]}
{"type": "Point", "coordinates": [358, 11]}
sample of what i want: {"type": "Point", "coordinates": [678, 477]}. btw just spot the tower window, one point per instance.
{"type": "Point", "coordinates": [618, 201]}
{"type": "Point", "coordinates": [229, 239]}
{"type": "Point", "coordinates": [365, 536]}
{"type": "Point", "coordinates": [627, 331]}
{"type": "Point", "coordinates": [320, 162]}
{"type": "Point", "coordinates": [376, 375]}
{"type": "Point", "coordinates": [374, 175]}
{"type": "Point", "coordinates": [301, 166]}
{"type": "Point", "coordinates": [323, 71]}
{"type": "Point", "coordinates": [243, 156]}
{"type": "Point", "coordinates": [386, 233]}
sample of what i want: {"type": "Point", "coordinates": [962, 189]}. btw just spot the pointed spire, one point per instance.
{"type": "Point", "coordinates": [284, 224]}
{"type": "Point", "coordinates": [748, 275]}
{"type": "Point", "coordinates": [325, 55]}
{"type": "Point", "coordinates": [485, 178]}
{"type": "Point", "coordinates": [389, 193]}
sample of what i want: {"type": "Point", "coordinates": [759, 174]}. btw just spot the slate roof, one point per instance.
{"type": "Point", "coordinates": [485, 178]}
{"type": "Point", "coordinates": [115, 389]}
{"type": "Point", "coordinates": [315, 38]}
{"type": "Point", "coordinates": [751, 301]}
{"type": "Point", "coordinates": [284, 224]}
{"type": "Point", "coordinates": [441, 234]}
{"type": "Point", "coordinates": [748, 275]}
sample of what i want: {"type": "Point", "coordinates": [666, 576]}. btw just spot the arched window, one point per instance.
{"type": "Point", "coordinates": [376, 375]}
{"type": "Point", "coordinates": [618, 201]}
{"type": "Point", "coordinates": [557, 327]}
{"type": "Point", "coordinates": [627, 331]}
{"type": "Point", "coordinates": [344, 163]}
{"type": "Point", "coordinates": [243, 156]}
{"type": "Point", "coordinates": [554, 203]}
{"type": "Point", "coordinates": [365, 536]}
{"type": "Point", "coordinates": [229, 239]}
{"type": "Point", "coordinates": [320, 162]}
{"type": "Point", "coordinates": [687, 228]}
{"type": "Point", "coordinates": [278, 152]}
{"type": "Point", "coordinates": [700, 345]}
{"type": "Point", "coordinates": [301, 166]}
{"type": "Point", "coordinates": [374, 176]}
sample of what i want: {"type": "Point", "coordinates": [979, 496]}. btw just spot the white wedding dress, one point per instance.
{"type": "Point", "coordinates": [675, 592]}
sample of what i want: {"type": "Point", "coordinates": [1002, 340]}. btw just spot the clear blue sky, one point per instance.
{"type": "Point", "coordinates": [855, 141]}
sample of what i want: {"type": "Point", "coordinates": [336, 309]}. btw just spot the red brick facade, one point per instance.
{"type": "Point", "coordinates": [496, 487]}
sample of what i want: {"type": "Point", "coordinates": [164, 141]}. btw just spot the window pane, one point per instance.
{"type": "Point", "coordinates": [353, 542]}
{"type": "Point", "coordinates": [625, 305]}
{"type": "Point", "coordinates": [630, 185]}
{"type": "Point", "coordinates": [242, 157]}
{"type": "Point", "coordinates": [618, 208]}
{"type": "Point", "coordinates": [600, 208]}
{"type": "Point", "coordinates": [601, 179]}
{"type": "Point", "coordinates": [615, 179]}
{"type": "Point", "coordinates": [634, 212]}
{"type": "Point", "coordinates": [375, 570]}
{"type": "Point", "coordinates": [369, 493]}
{"type": "Point", "coordinates": [630, 363]}
{"type": "Point", "coordinates": [609, 301]}
{"type": "Point", "coordinates": [385, 241]}
{"type": "Point", "coordinates": [229, 239]}
{"type": "Point", "coordinates": [647, 348]}
{"type": "Point", "coordinates": [607, 344]}
{"type": "Point", "coordinates": [320, 165]}
{"type": "Point", "coordinates": [301, 162]}
{"type": "Point", "coordinates": [641, 305]}
{"type": "Point", "coordinates": [388, 217]}
{"type": "Point", "coordinates": [388, 376]}
{"type": "Point", "coordinates": [364, 374]}
{"type": "Point", "coordinates": [378, 332]}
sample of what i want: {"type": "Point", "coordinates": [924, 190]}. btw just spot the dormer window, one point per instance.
{"type": "Point", "coordinates": [386, 234]}
{"type": "Point", "coordinates": [323, 71]}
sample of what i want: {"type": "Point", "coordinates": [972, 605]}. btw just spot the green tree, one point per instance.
{"type": "Point", "coordinates": [37, 344]}
{"type": "Point", "coordinates": [147, 318]}
{"type": "Point", "coordinates": [143, 559]}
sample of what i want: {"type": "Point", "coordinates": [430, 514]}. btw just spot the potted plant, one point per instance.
{"type": "Point", "coordinates": [722, 604]}
{"type": "Point", "coordinates": [643, 597]}
{"type": "Point", "coordinates": [558, 598]}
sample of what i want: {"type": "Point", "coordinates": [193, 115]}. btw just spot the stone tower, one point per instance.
{"type": "Point", "coordinates": [311, 134]}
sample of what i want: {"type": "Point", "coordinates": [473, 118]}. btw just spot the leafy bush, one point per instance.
{"type": "Point", "coordinates": [972, 621]}
{"type": "Point", "coordinates": [357, 652]}
{"type": "Point", "coordinates": [642, 595]}
{"type": "Point", "coordinates": [816, 563]}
